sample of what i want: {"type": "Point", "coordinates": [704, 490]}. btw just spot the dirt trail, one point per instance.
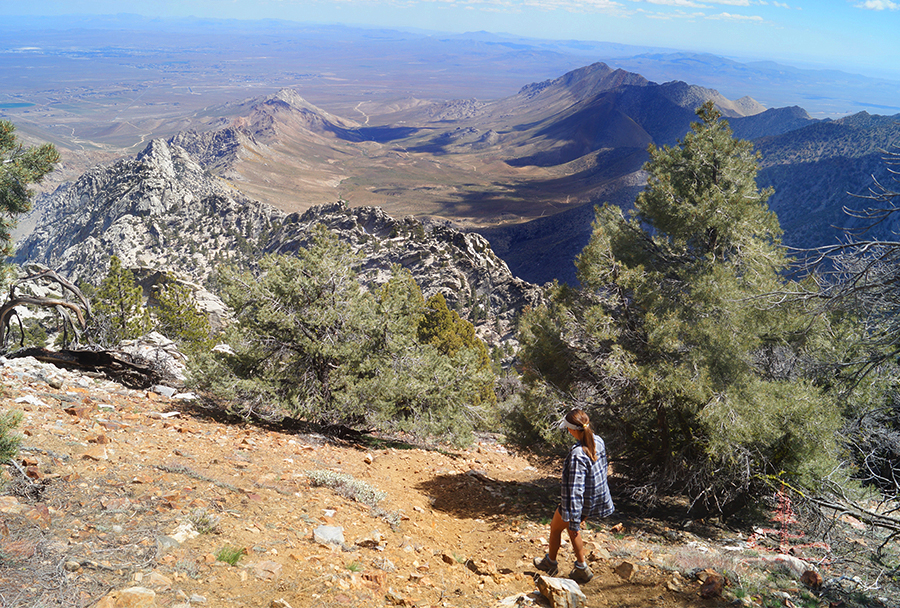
{"type": "Point", "coordinates": [117, 476]}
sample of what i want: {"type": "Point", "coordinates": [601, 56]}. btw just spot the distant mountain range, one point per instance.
{"type": "Point", "coordinates": [525, 171]}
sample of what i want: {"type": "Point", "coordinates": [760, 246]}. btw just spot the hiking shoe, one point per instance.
{"type": "Point", "coordinates": [581, 575]}
{"type": "Point", "coordinates": [546, 565]}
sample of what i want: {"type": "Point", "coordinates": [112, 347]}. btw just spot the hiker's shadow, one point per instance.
{"type": "Point", "coordinates": [474, 495]}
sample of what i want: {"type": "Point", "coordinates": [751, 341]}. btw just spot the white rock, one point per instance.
{"type": "Point", "coordinates": [561, 592]}
{"type": "Point", "coordinates": [31, 399]}
{"type": "Point", "coordinates": [183, 532]}
{"type": "Point", "coordinates": [791, 564]}
{"type": "Point", "coordinates": [329, 535]}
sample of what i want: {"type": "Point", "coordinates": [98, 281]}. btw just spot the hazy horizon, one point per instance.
{"type": "Point", "coordinates": [850, 35]}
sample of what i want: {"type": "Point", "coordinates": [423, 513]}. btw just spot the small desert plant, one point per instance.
{"type": "Point", "coordinates": [354, 566]}
{"type": "Point", "coordinates": [347, 486]}
{"type": "Point", "coordinates": [392, 518]}
{"type": "Point", "coordinates": [230, 555]}
{"type": "Point", "coordinates": [5, 558]}
{"type": "Point", "coordinates": [9, 440]}
{"type": "Point", "coordinates": [188, 568]}
{"type": "Point", "coordinates": [203, 521]}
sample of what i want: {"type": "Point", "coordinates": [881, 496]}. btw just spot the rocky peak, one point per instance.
{"type": "Point", "coordinates": [585, 82]}
{"type": "Point", "coordinates": [162, 210]}
{"type": "Point", "coordinates": [287, 108]}
{"type": "Point", "coordinates": [159, 209]}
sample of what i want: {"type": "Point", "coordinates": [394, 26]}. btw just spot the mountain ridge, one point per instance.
{"type": "Point", "coordinates": [561, 145]}
{"type": "Point", "coordinates": [162, 210]}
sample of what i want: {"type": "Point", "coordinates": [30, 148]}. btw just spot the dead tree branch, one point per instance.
{"type": "Point", "coordinates": [64, 308]}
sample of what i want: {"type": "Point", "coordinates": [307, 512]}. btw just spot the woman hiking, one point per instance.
{"type": "Point", "coordinates": [585, 494]}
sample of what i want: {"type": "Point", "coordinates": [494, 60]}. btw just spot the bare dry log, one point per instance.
{"type": "Point", "coordinates": [116, 366]}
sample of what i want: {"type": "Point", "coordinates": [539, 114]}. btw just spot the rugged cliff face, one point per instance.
{"type": "Point", "coordinates": [163, 210]}
{"type": "Point", "coordinates": [442, 259]}
{"type": "Point", "coordinates": [160, 209]}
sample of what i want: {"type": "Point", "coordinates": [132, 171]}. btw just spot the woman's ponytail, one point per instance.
{"type": "Point", "coordinates": [579, 419]}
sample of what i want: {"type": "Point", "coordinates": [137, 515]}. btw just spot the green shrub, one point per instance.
{"type": "Point", "coordinates": [310, 342]}
{"type": "Point", "coordinates": [230, 555]}
{"type": "Point", "coordinates": [204, 522]}
{"type": "Point", "coordinates": [9, 439]}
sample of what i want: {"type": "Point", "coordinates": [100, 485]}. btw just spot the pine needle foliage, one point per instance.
{"type": "Point", "coordinates": [678, 343]}
{"type": "Point", "coordinates": [178, 318]}
{"type": "Point", "coordinates": [9, 439]}
{"type": "Point", "coordinates": [117, 307]}
{"type": "Point", "coordinates": [310, 342]}
{"type": "Point", "coordinates": [19, 168]}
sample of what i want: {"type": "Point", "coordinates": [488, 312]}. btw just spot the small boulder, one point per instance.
{"type": "Point", "coordinates": [329, 535]}
{"type": "Point", "coordinates": [626, 570]}
{"type": "Point", "coordinates": [712, 583]}
{"type": "Point", "coordinates": [791, 565]}
{"type": "Point", "coordinates": [267, 570]}
{"type": "Point", "coordinates": [561, 592]}
{"type": "Point", "coordinates": [811, 579]}
{"type": "Point", "coordinates": [483, 567]}
{"type": "Point", "coordinates": [133, 597]}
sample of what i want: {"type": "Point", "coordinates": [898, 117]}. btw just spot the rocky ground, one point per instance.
{"type": "Point", "coordinates": [132, 498]}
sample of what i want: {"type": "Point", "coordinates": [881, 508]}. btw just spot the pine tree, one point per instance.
{"type": "Point", "coordinates": [118, 313]}
{"type": "Point", "coordinates": [674, 342]}
{"type": "Point", "coordinates": [300, 331]}
{"type": "Point", "coordinates": [310, 341]}
{"type": "Point", "coordinates": [450, 334]}
{"type": "Point", "coordinates": [178, 318]}
{"type": "Point", "coordinates": [19, 167]}
{"type": "Point", "coordinates": [419, 383]}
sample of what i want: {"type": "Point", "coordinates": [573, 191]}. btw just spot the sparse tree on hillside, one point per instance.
{"type": "Point", "coordinates": [310, 342]}
{"type": "Point", "coordinates": [19, 168]}
{"type": "Point", "coordinates": [672, 343]}
{"type": "Point", "coordinates": [861, 278]}
{"type": "Point", "coordinates": [118, 313]}
{"type": "Point", "coordinates": [178, 318]}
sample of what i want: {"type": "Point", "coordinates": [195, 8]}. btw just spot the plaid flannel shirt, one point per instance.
{"type": "Point", "coordinates": [585, 492]}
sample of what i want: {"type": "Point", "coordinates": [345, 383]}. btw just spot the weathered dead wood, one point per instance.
{"type": "Point", "coordinates": [64, 308]}
{"type": "Point", "coordinates": [116, 366]}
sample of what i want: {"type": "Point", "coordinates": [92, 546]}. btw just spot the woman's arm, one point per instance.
{"type": "Point", "coordinates": [572, 494]}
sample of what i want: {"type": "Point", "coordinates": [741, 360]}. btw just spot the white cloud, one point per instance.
{"type": "Point", "coordinates": [681, 3]}
{"type": "Point", "coordinates": [879, 5]}
{"type": "Point", "coordinates": [516, 5]}
{"type": "Point", "coordinates": [671, 15]}
{"type": "Point", "coordinates": [731, 17]}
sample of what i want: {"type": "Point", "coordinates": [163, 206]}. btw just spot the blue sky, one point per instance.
{"type": "Point", "coordinates": [854, 35]}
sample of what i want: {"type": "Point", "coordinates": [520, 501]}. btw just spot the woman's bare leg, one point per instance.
{"type": "Point", "coordinates": [577, 543]}
{"type": "Point", "coordinates": [557, 525]}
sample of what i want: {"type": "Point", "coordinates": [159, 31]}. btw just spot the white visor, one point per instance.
{"type": "Point", "coordinates": [565, 424]}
